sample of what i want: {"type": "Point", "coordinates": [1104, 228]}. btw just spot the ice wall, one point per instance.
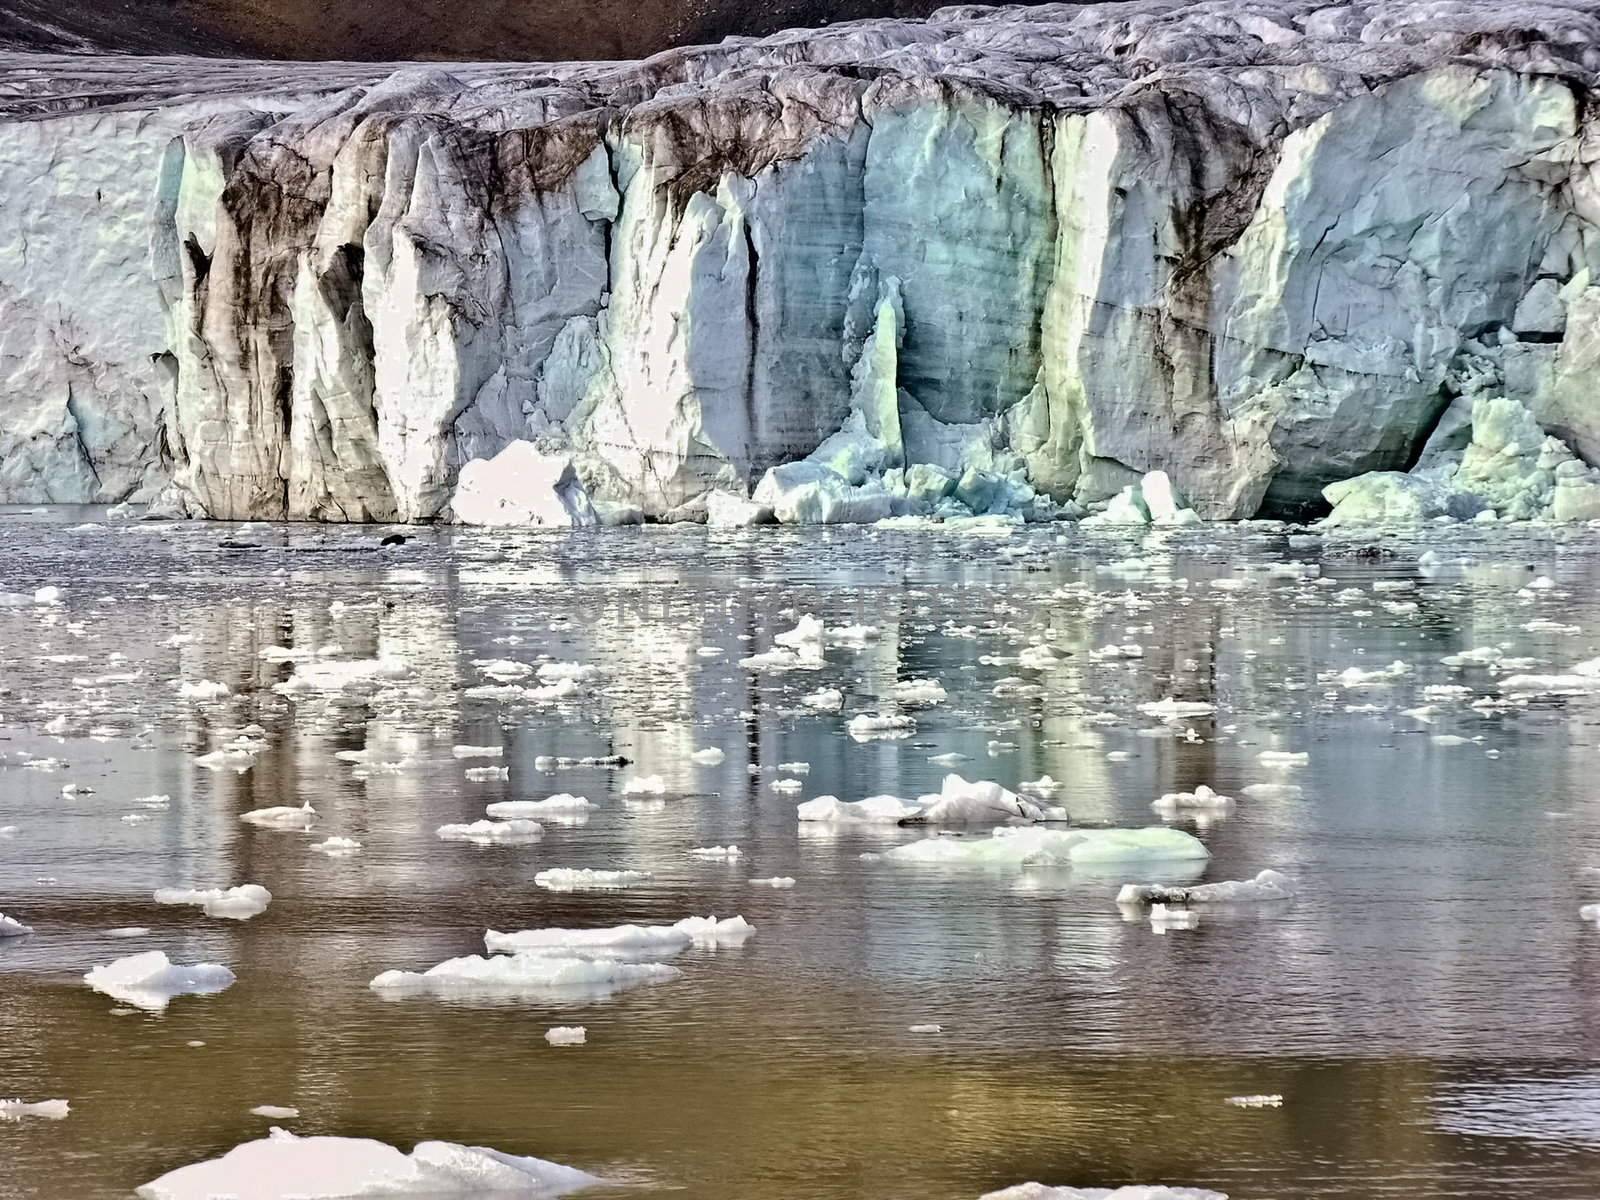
{"type": "Point", "coordinates": [1005, 259]}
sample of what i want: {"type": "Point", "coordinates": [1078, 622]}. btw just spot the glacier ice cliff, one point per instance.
{"type": "Point", "coordinates": [1006, 260]}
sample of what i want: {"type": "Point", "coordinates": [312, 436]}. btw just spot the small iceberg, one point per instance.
{"type": "Point", "coordinates": [150, 981]}
{"type": "Point", "coordinates": [282, 1164]}
{"type": "Point", "coordinates": [1268, 885]}
{"type": "Point", "coordinates": [232, 904]}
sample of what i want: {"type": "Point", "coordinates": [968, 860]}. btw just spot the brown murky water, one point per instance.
{"type": "Point", "coordinates": [1426, 1005]}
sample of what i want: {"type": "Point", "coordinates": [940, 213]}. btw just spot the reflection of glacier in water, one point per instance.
{"type": "Point", "coordinates": [1438, 833]}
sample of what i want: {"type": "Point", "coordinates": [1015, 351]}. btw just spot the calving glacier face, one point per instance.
{"type": "Point", "coordinates": [1001, 261]}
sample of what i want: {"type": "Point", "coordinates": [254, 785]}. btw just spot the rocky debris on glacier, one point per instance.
{"type": "Point", "coordinates": [1235, 248]}
{"type": "Point", "coordinates": [283, 1164]}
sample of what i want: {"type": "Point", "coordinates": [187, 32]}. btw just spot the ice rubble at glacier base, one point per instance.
{"type": "Point", "coordinates": [1002, 261]}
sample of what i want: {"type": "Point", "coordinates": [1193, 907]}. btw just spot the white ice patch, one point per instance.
{"type": "Point", "coordinates": [566, 1035]}
{"type": "Point", "coordinates": [586, 879]}
{"type": "Point", "coordinates": [150, 981]}
{"type": "Point", "coordinates": [512, 975]}
{"type": "Point", "coordinates": [562, 803]}
{"type": "Point", "coordinates": [321, 1168]}
{"type": "Point", "coordinates": [282, 817]}
{"type": "Point", "coordinates": [1034, 846]}
{"type": "Point", "coordinates": [718, 853]}
{"type": "Point", "coordinates": [1202, 797]}
{"type": "Point", "coordinates": [233, 904]}
{"type": "Point", "coordinates": [338, 847]}
{"type": "Point", "coordinates": [11, 927]}
{"type": "Point", "coordinates": [1268, 885]}
{"type": "Point", "coordinates": [48, 1110]}
{"type": "Point", "coordinates": [493, 833]}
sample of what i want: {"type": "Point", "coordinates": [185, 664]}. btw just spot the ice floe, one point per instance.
{"type": "Point", "coordinates": [492, 833]}
{"type": "Point", "coordinates": [234, 903]}
{"type": "Point", "coordinates": [566, 1035]}
{"type": "Point", "coordinates": [48, 1110]}
{"type": "Point", "coordinates": [1268, 885]}
{"type": "Point", "coordinates": [11, 927]}
{"type": "Point", "coordinates": [320, 1168]}
{"type": "Point", "coordinates": [1023, 846]}
{"type": "Point", "coordinates": [150, 981]}
{"type": "Point", "coordinates": [282, 817]}
{"type": "Point", "coordinates": [583, 879]}
{"type": "Point", "coordinates": [537, 974]}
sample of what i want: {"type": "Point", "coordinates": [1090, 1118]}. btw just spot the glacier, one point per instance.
{"type": "Point", "coordinates": [1157, 261]}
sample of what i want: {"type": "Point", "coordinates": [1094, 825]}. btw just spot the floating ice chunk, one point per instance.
{"type": "Point", "coordinates": [520, 810]}
{"type": "Point", "coordinates": [774, 881]}
{"type": "Point", "coordinates": [320, 1168]}
{"type": "Point", "coordinates": [1283, 760]}
{"type": "Point", "coordinates": [203, 690]}
{"type": "Point", "coordinates": [492, 833]}
{"type": "Point", "coordinates": [150, 981]}
{"type": "Point", "coordinates": [523, 486]}
{"type": "Point", "coordinates": [709, 757]}
{"type": "Point", "coordinates": [1163, 918]}
{"type": "Point", "coordinates": [128, 931]}
{"type": "Point", "coordinates": [962, 802]}
{"type": "Point", "coordinates": [525, 975]}
{"type": "Point", "coordinates": [824, 700]}
{"type": "Point", "coordinates": [233, 904]}
{"type": "Point", "coordinates": [282, 817]}
{"type": "Point", "coordinates": [709, 931]}
{"type": "Point", "coordinates": [11, 927]}
{"type": "Point", "coordinates": [584, 879]}
{"type": "Point", "coordinates": [1201, 797]}
{"type": "Point", "coordinates": [1273, 1101]}
{"type": "Point", "coordinates": [925, 1029]}
{"type": "Point", "coordinates": [338, 847]}
{"type": "Point", "coordinates": [806, 636]}
{"type": "Point", "coordinates": [358, 675]}
{"type": "Point", "coordinates": [1035, 846]}
{"type": "Point", "coordinates": [76, 789]}
{"type": "Point", "coordinates": [1042, 786]}
{"type": "Point", "coordinates": [1038, 1191]}
{"type": "Point", "coordinates": [505, 670]}
{"type": "Point", "coordinates": [644, 785]}
{"type": "Point", "coordinates": [867, 726]}
{"type": "Point", "coordinates": [478, 751]}
{"type": "Point", "coordinates": [1172, 710]}
{"type": "Point", "coordinates": [47, 595]}
{"type": "Point", "coordinates": [566, 1035]}
{"type": "Point", "coordinates": [852, 635]}
{"type": "Point", "coordinates": [556, 672]}
{"type": "Point", "coordinates": [724, 510]}
{"type": "Point", "coordinates": [486, 774]}
{"type": "Point", "coordinates": [723, 853]}
{"type": "Point", "coordinates": [794, 768]}
{"type": "Point", "coordinates": [1356, 677]}
{"type": "Point", "coordinates": [1589, 912]}
{"type": "Point", "coordinates": [276, 1112]}
{"type": "Point", "coordinates": [1268, 885]}
{"type": "Point", "coordinates": [49, 1110]}
{"type": "Point", "coordinates": [875, 810]}
{"type": "Point", "coordinates": [922, 692]}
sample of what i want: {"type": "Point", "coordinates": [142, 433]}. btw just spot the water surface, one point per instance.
{"type": "Point", "coordinates": [1426, 1006]}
